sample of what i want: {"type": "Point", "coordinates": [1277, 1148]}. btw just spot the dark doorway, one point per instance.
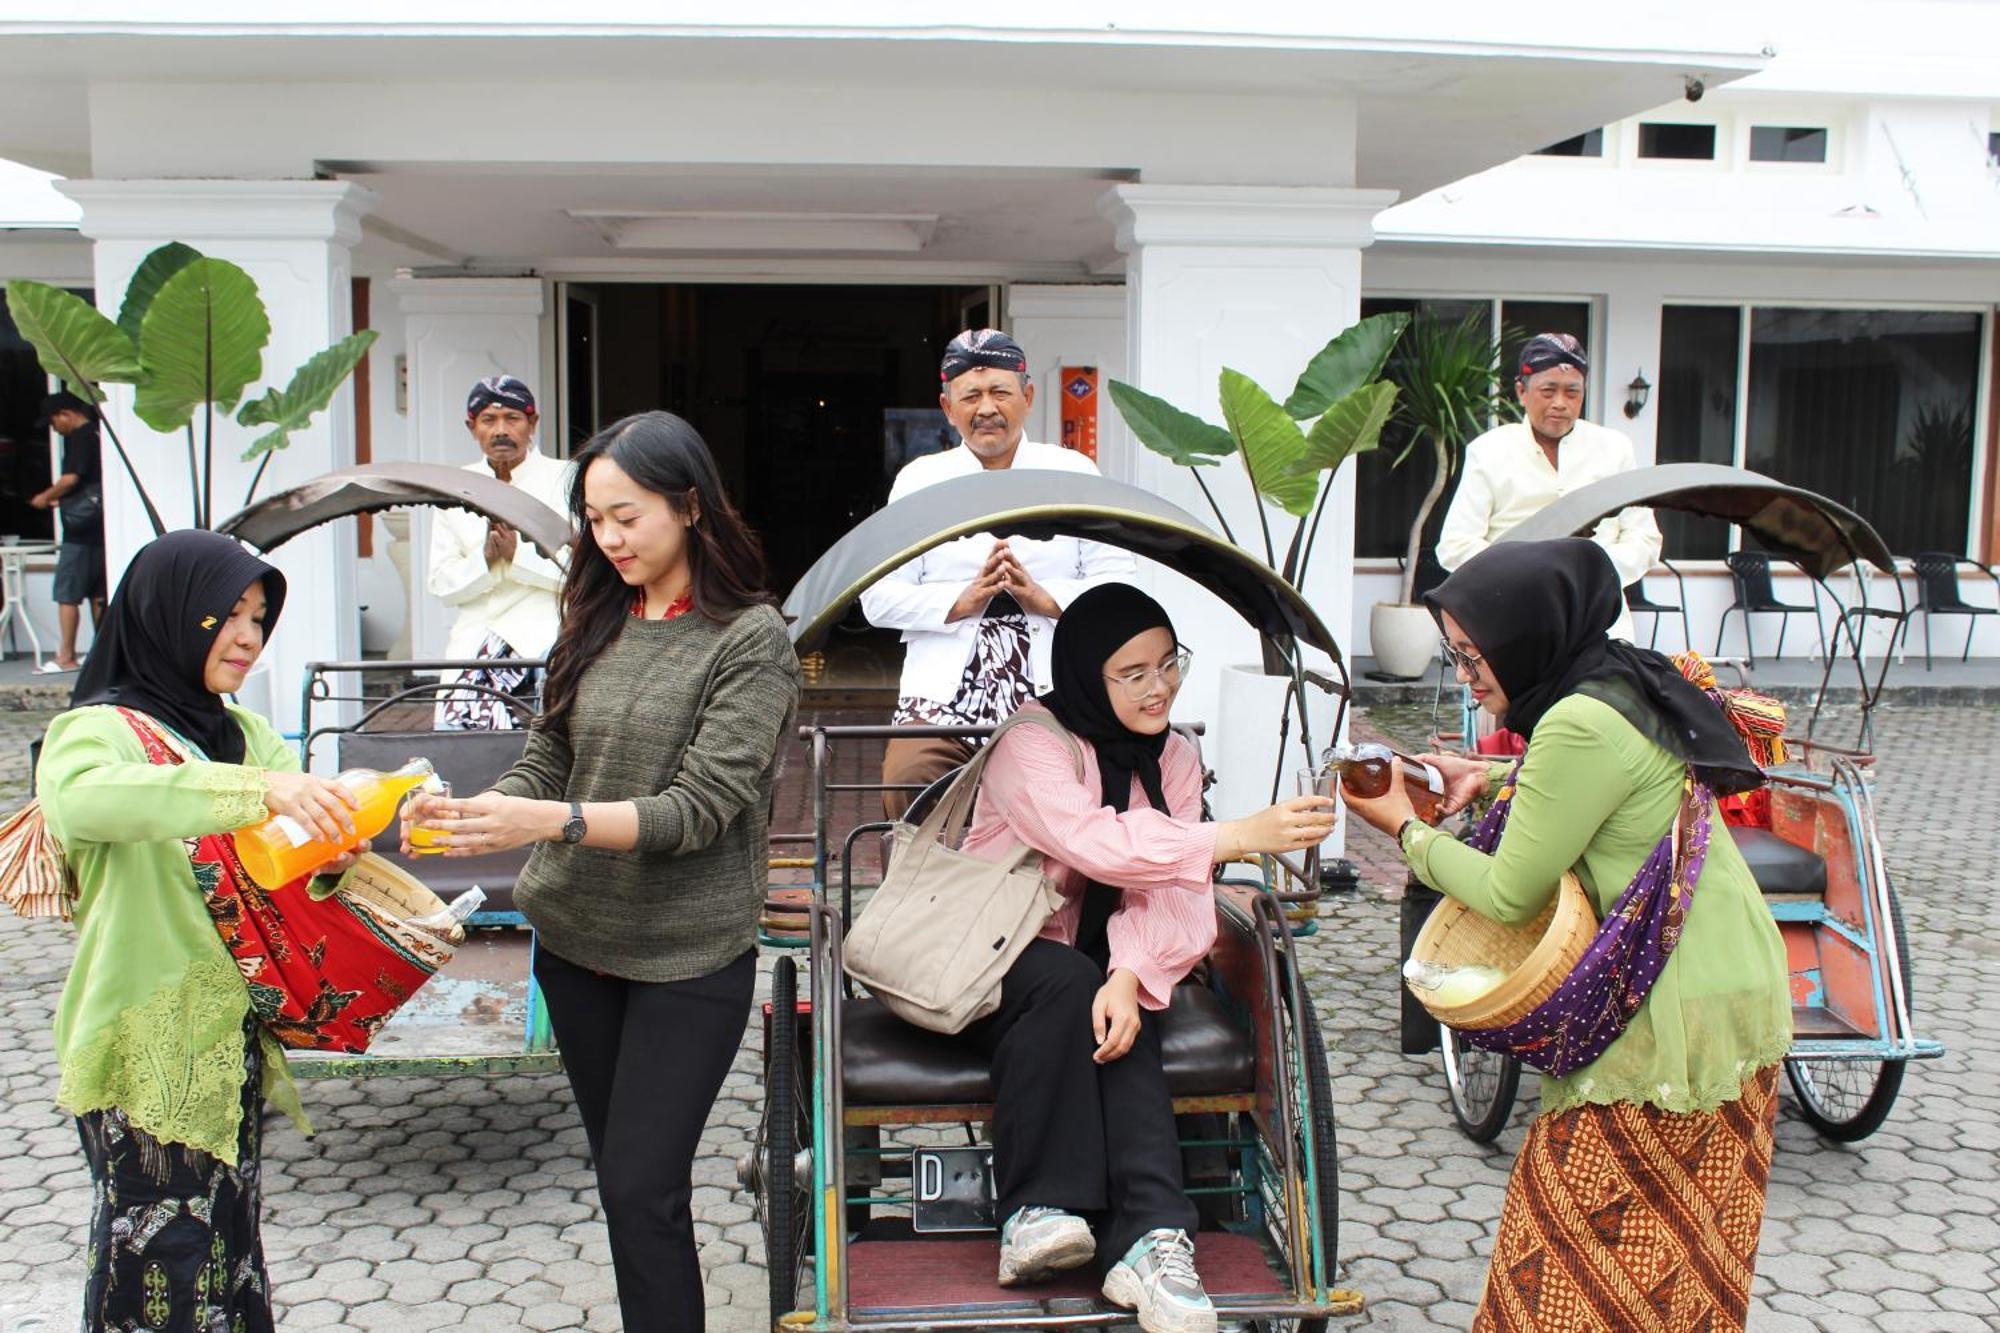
{"type": "Point", "coordinates": [24, 448]}
{"type": "Point", "coordinates": [810, 396]}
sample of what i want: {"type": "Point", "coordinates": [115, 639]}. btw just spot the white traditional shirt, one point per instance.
{"type": "Point", "coordinates": [918, 597]}
{"type": "Point", "coordinates": [516, 599]}
{"type": "Point", "coordinates": [1508, 479]}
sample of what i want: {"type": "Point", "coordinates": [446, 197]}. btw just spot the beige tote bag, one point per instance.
{"type": "Point", "coordinates": [936, 940]}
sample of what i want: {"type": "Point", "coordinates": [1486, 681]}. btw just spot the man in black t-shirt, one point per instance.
{"type": "Point", "coordinates": [78, 495]}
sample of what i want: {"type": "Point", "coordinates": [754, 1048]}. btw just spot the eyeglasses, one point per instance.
{"type": "Point", "coordinates": [1459, 659]}
{"type": "Point", "coordinates": [1138, 684]}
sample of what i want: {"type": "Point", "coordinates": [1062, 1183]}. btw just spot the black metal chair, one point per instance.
{"type": "Point", "coordinates": [1938, 595]}
{"type": "Point", "coordinates": [1750, 575]}
{"type": "Point", "coordinates": [1637, 602]}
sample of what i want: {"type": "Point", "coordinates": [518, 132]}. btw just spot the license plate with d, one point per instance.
{"type": "Point", "coordinates": [953, 1190]}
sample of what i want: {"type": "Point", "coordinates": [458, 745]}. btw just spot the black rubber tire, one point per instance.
{"type": "Point", "coordinates": [1326, 1154]}
{"type": "Point", "coordinates": [1837, 1122]}
{"type": "Point", "coordinates": [1480, 1120]}
{"type": "Point", "coordinates": [787, 1131]}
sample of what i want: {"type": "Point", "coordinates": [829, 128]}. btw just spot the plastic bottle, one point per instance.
{"type": "Point", "coordinates": [1449, 987]}
{"type": "Point", "coordinates": [1364, 770]}
{"type": "Point", "coordinates": [450, 923]}
{"type": "Point", "coordinates": [281, 849]}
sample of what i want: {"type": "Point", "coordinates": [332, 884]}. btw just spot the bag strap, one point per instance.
{"type": "Point", "coordinates": [947, 821]}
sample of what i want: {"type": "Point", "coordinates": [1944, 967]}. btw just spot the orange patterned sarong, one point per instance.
{"type": "Point", "coordinates": [1627, 1219]}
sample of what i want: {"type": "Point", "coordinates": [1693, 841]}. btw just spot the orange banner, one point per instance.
{"type": "Point", "coordinates": [1079, 409]}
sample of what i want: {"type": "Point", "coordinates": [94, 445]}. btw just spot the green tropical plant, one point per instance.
{"type": "Point", "coordinates": [190, 337]}
{"type": "Point", "coordinates": [1453, 386]}
{"type": "Point", "coordinates": [1289, 451]}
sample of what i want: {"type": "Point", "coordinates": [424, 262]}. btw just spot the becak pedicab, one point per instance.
{"type": "Point", "coordinates": [1813, 846]}
{"type": "Point", "coordinates": [871, 1169]}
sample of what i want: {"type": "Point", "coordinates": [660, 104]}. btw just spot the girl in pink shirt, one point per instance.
{"type": "Point", "coordinates": [1083, 1122]}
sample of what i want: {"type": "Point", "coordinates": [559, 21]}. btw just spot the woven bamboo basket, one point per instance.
{"type": "Point", "coordinates": [1536, 957]}
{"type": "Point", "coordinates": [395, 893]}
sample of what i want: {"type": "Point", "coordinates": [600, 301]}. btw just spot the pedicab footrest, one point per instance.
{"type": "Point", "coordinates": [890, 1063]}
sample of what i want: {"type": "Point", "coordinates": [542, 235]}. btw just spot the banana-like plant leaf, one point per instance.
{"type": "Point", "coordinates": [151, 275]}
{"type": "Point", "coordinates": [1271, 443]}
{"type": "Point", "coordinates": [312, 388]}
{"type": "Point", "coordinates": [1166, 430]}
{"type": "Point", "coordinates": [1351, 426]}
{"type": "Point", "coordinates": [72, 338]}
{"type": "Point", "coordinates": [1351, 360]}
{"type": "Point", "coordinates": [201, 341]}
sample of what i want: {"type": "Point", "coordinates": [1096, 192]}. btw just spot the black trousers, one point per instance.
{"type": "Point", "coordinates": [1096, 1140]}
{"type": "Point", "coordinates": [646, 1061]}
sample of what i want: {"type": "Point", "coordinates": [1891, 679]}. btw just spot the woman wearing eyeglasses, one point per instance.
{"type": "Point", "coordinates": [1086, 1162]}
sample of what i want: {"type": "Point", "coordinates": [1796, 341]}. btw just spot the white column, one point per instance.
{"type": "Point", "coordinates": [295, 239]}
{"type": "Point", "coordinates": [1255, 278]}
{"type": "Point", "coordinates": [458, 331]}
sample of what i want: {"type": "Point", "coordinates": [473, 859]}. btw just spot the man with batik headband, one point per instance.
{"type": "Point", "coordinates": [506, 591]}
{"type": "Point", "coordinates": [1517, 470]}
{"type": "Point", "coordinates": [976, 613]}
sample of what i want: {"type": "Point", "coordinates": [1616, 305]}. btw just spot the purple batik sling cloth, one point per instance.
{"type": "Point", "coordinates": [1597, 999]}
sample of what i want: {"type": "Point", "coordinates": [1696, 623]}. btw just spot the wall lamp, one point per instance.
{"type": "Point", "coordinates": [1636, 394]}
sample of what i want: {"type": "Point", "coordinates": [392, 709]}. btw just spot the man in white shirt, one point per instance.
{"type": "Point", "coordinates": [505, 590]}
{"type": "Point", "coordinates": [977, 612]}
{"type": "Point", "coordinates": [1521, 468]}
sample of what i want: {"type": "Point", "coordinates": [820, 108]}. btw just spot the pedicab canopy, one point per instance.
{"type": "Point", "coordinates": [1044, 504]}
{"type": "Point", "coordinates": [1820, 535]}
{"type": "Point", "coordinates": [377, 486]}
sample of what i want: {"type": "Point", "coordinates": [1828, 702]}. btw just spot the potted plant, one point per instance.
{"type": "Point", "coordinates": [1453, 386]}
{"type": "Point", "coordinates": [190, 338]}
{"type": "Point", "coordinates": [1289, 451]}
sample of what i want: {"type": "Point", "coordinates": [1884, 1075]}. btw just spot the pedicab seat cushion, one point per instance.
{"type": "Point", "coordinates": [890, 1063]}
{"type": "Point", "coordinates": [471, 761]}
{"type": "Point", "coordinates": [1779, 866]}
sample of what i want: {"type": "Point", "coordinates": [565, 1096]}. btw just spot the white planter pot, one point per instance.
{"type": "Point", "coordinates": [1402, 639]}
{"type": "Point", "coordinates": [1242, 746]}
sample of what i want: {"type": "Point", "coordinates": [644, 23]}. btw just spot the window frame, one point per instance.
{"type": "Point", "coordinates": [1982, 391]}
{"type": "Point", "coordinates": [1725, 144]}
{"type": "Point", "coordinates": [1834, 165]}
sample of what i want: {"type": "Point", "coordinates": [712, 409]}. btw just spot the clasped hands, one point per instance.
{"type": "Point", "coordinates": [1003, 572]}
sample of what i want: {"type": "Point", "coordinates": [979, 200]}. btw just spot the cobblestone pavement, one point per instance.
{"type": "Point", "coordinates": [468, 1203]}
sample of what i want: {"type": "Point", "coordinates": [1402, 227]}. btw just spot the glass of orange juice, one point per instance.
{"type": "Point", "coordinates": [424, 839]}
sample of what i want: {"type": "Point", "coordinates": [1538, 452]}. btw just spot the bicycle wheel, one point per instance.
{"type": "Point", "coordinates": [1481, 1085]}
{"type": "Point", "coordinates": [785, 1186]}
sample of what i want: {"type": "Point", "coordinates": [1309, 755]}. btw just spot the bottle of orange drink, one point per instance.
{"type": "Point", "coordinates": [281, 849]}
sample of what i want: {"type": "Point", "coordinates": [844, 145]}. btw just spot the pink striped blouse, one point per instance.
{"type": "Point", "coordinates": [1162, 860]}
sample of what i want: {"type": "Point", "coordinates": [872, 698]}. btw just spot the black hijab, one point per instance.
{"type": "Point", "coordinates": [1092, 628]}
{"type": "Point", "coordinates": [154, 644]}
{"type": "Point", "coordinates": [1538, 612]}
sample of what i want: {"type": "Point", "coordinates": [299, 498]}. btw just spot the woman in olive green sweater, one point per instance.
{"type": "Point", "coordinates": [162, 1062]}
{"type": "Point", "coordinates": [1638, 1195]}
{"type": "Point", "coordinates": [644, 790]}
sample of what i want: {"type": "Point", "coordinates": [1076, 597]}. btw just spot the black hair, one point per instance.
{"type": "Point", "coordinates": [668, 457]}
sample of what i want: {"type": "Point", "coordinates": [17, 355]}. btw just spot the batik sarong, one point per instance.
{"type": "Point", "coordinates": [1630, 1219]}
{"type": "Point", "coordinates": [174, 1245]}
{"type": "Point", "coordinates": [475, 709]}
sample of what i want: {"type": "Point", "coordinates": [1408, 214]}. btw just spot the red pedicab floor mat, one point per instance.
{"type": "Point", "coordinates": [888, 1275]}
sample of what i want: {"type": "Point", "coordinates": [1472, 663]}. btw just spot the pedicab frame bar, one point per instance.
{"type": "Point", "coordinates": [1041, 504]}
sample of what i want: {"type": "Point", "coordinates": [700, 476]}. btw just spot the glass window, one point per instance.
{"type": "Point", "coordinates": [1687, 143]}
{"type": "Point", "coordinates": [1873, 408]}
{"type": "Point", "coordinates": [1588, 144]}
{"type": "Point", "coordinates": [1993, 149]}
{"type": "Point", "coordinates": [1696, 401]}
{"type": "Point", "coordinates": [1787, 143]}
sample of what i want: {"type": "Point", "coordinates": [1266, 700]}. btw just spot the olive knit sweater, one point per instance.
{"type": "Point", "coordinates": [685, 719]}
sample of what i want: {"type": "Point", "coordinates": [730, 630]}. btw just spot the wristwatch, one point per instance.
{"type": "Point", "coordinates": [574, 828]}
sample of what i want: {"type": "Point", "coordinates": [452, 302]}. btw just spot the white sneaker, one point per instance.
{"type": "Point", "coordinates": [1157, 1278]}
{"type": "Point", "coordinates": [1037, 1243]}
